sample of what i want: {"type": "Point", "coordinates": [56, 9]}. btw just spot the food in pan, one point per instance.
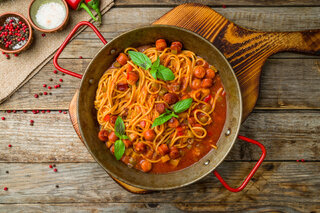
{"type": "Point", "coordinates": [161, 108]}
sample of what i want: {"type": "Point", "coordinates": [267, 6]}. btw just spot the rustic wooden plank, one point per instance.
{"type": "Point", "coordinates": [285, 84]}
{"type": "Point", "coordinates": [117, 20]}
{"type": "Point", "coordinates": [89, 207]}
{"type": "Point", "coordinates": [276, 184]}
{"type": "Point", "coordinates": [244, 3]}
{"type": "Point", "coordinates": [88, 48]}
{"type": "Point", "coordinates": [158, 207]}
{"type": "Point", "coordinates": [52, 138]}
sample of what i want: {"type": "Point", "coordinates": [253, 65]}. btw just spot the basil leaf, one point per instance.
{"type": "Point", "coordinates": [119, 127]}
{"type": "Point", "coordinates": [140, 59]}
{"type": "Point", "coordinates": [162, 119]}
{"type": "Point", "coordinates": [153, 72]}
{"type": "Point", "coordinates": [154, 68]}
{"type": "Point", "coordinates": [119, 149]}
{"type": "Point", "coordinates": [123, 137]}
{"type": "Point", "coordinates": [183, 105]}
{"type": "Point", "coordinates": [164, 73]}
{"type": "Point", "coordinates": [118, 135]}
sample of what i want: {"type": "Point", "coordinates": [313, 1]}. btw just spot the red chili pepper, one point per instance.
{"type": "Point", "coordinates": [78, 4]}
{"type": "Point", "coordinates": [207, 99]}
{"type": "Point", "coordinates": [95, 4]}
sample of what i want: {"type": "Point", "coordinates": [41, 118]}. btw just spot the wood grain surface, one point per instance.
{"type": "Point", "coordinates": [286, 120]}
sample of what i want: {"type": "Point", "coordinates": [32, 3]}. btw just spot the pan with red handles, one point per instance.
{"type": "Point", "coordinates": [89, 126]}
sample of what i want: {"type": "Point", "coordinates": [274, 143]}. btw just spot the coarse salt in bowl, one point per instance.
{"type": "Point", "coordinates": [48, 15]}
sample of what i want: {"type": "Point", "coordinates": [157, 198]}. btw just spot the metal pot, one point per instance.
{"type": "Point", "coordinates": [89, 126]}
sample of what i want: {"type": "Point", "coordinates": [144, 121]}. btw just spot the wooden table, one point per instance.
{"type": "Point", "coordinates": [286, 120]}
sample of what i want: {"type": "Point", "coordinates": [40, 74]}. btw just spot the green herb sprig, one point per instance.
{"type": "Point", "coordinates": [157, 70]}
{"type": "Point", "coordinates": [120, 132]}
{"type": "Point", "coordinates": [179, 107]}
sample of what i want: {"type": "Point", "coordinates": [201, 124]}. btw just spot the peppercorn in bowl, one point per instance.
{"type": "Point", "coordinates": [15, 33]}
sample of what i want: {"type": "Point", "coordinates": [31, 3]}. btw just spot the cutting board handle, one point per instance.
{"type": "Point", "coordinates": [304, 41]}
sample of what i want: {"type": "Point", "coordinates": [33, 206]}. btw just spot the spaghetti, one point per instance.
{"type": "Point", "coordinates": [131, 92]}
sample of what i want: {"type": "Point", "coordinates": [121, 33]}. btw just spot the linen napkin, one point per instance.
{"type": "Point", "coordinates": [16, 71]}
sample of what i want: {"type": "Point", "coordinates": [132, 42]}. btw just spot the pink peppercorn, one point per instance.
{"type": "Point", "coordinates": [5, 188]}
{"type": "Point", "coordinates": [49, 87]}
{"type": "Point", "coordinates": [80, 57]}
{"type": "Point", "coordinates": [36, 95]}
{"type": "Point", "coordinates": [55, 71]}
{"type": "Point", "coordinates": [8, 111]}
{"type": "Point", "coordinates": [32, 121]}
{"type": "Point", "coordinates": [25, 111]}
{"type": "Point", "coordinates": [14, 111]}
{"type": "Point", "coordinates": [3, 118]}
{"type": "Point", "coordinates": [224, 6]}
{"type": "Point", "coordinates": [60, 111]}
{"type": "Point", "coordinates": [64, 112]}
{"type": "Point", "coordinates": [43, 34]}
{"type": "Point", "coordinates": [44, 85]}
{"type": "Point", "coordinates": [16, 55]}
{"type": "Point", "coordinates": [48, 111]}
{"type": "Point", "coordinates": [302, 160]}
{"type": "Point", "coordinates": [45, 93]}
{"type": "Point", "coordinates": [61, 80]}
{"type": "Point", "coordinates": [55, 170]}
{"type": "Point", "coordinates": [43, 111]}
{"type": "Point", "coordinates": [50, 166]}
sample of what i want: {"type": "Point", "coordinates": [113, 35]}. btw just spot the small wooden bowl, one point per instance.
{"type": "Point", "coordinates": [34, 7]}
{"type": "Point", "coordinates": [3, 17]}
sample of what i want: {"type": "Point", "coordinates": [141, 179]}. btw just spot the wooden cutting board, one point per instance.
{"type": "Point", "coordinates": [246, 51]}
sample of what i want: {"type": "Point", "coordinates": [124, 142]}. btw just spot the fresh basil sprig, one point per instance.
{"type": "Point", "coordinates": [179, 107]}
{"type": "Point", "coordinates": [161, 72]}
{"type": "Point", "coordinates": [120, 132]}
{"type": "Point", "coordinates": [140, 59]}
{"type": "Point", "coordinates": [157, 70]}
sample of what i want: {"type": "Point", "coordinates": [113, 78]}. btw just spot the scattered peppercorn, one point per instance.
{"type": "Point", "coordinates": [8, 111]}
{"type": "Point", "coordinates": [64, 112]}
{"type": "Point", "coordinates": [44, 85]}
{"type": "Point", "coordinates": [36, 95]}
{"type": "Point", "coordinates": [50, 166]}
{"type": "Point", "coordinates": [32, 121]}
{"type": "Point", "coordinates": [3, 118]}
{"type": "Point", "coordinates": [43, 111]}
{"type": "Point", "coordinates": [16, 55]}
{"type": "Point", "coordinates": [48, 111]}
{"type": "Point", "coordinates": [7, 172]}
{"type": "Point", "coordinates": [9, 145]}
{"type": "Point", "coordinates": [224, 6]}
{"type": "Point", "coordinates": [50, 79]}
{"type": "Point", "coordinates": [7, 56]}
{"type": "Point", "coordinates": [55, 71]}
{"type": "Point", "coordinates": [61, 80]}
{"type": "Point", "coordinates": [43, 35]}
{"type": "Point", "coordinates": [80, 57]}
{"type": "Point", "coordinates": [57, 186]}
{"type": "Point", "coordinates": [14, 111]}
{"type": "Point", "coordinates": [55, 170]}
{"type": "Point", "coordinates": [5, 188]}
{"type": "Point", "coordinates": [60, 111]}
{"type": "Point", "coordinates": [25, 111]}
{"type": "Point", "coordinates": [54, 165]}
{"type": "Point", "coordinates": [49, 87]}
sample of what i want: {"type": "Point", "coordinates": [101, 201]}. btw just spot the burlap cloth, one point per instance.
{"type": "Point", "coordinates": [18, 70]}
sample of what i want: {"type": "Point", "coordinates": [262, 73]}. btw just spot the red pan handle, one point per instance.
{"type": "Point", "coordinates": [255, 168]}
{"type": "Point", "coordinates": [64, 44]}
